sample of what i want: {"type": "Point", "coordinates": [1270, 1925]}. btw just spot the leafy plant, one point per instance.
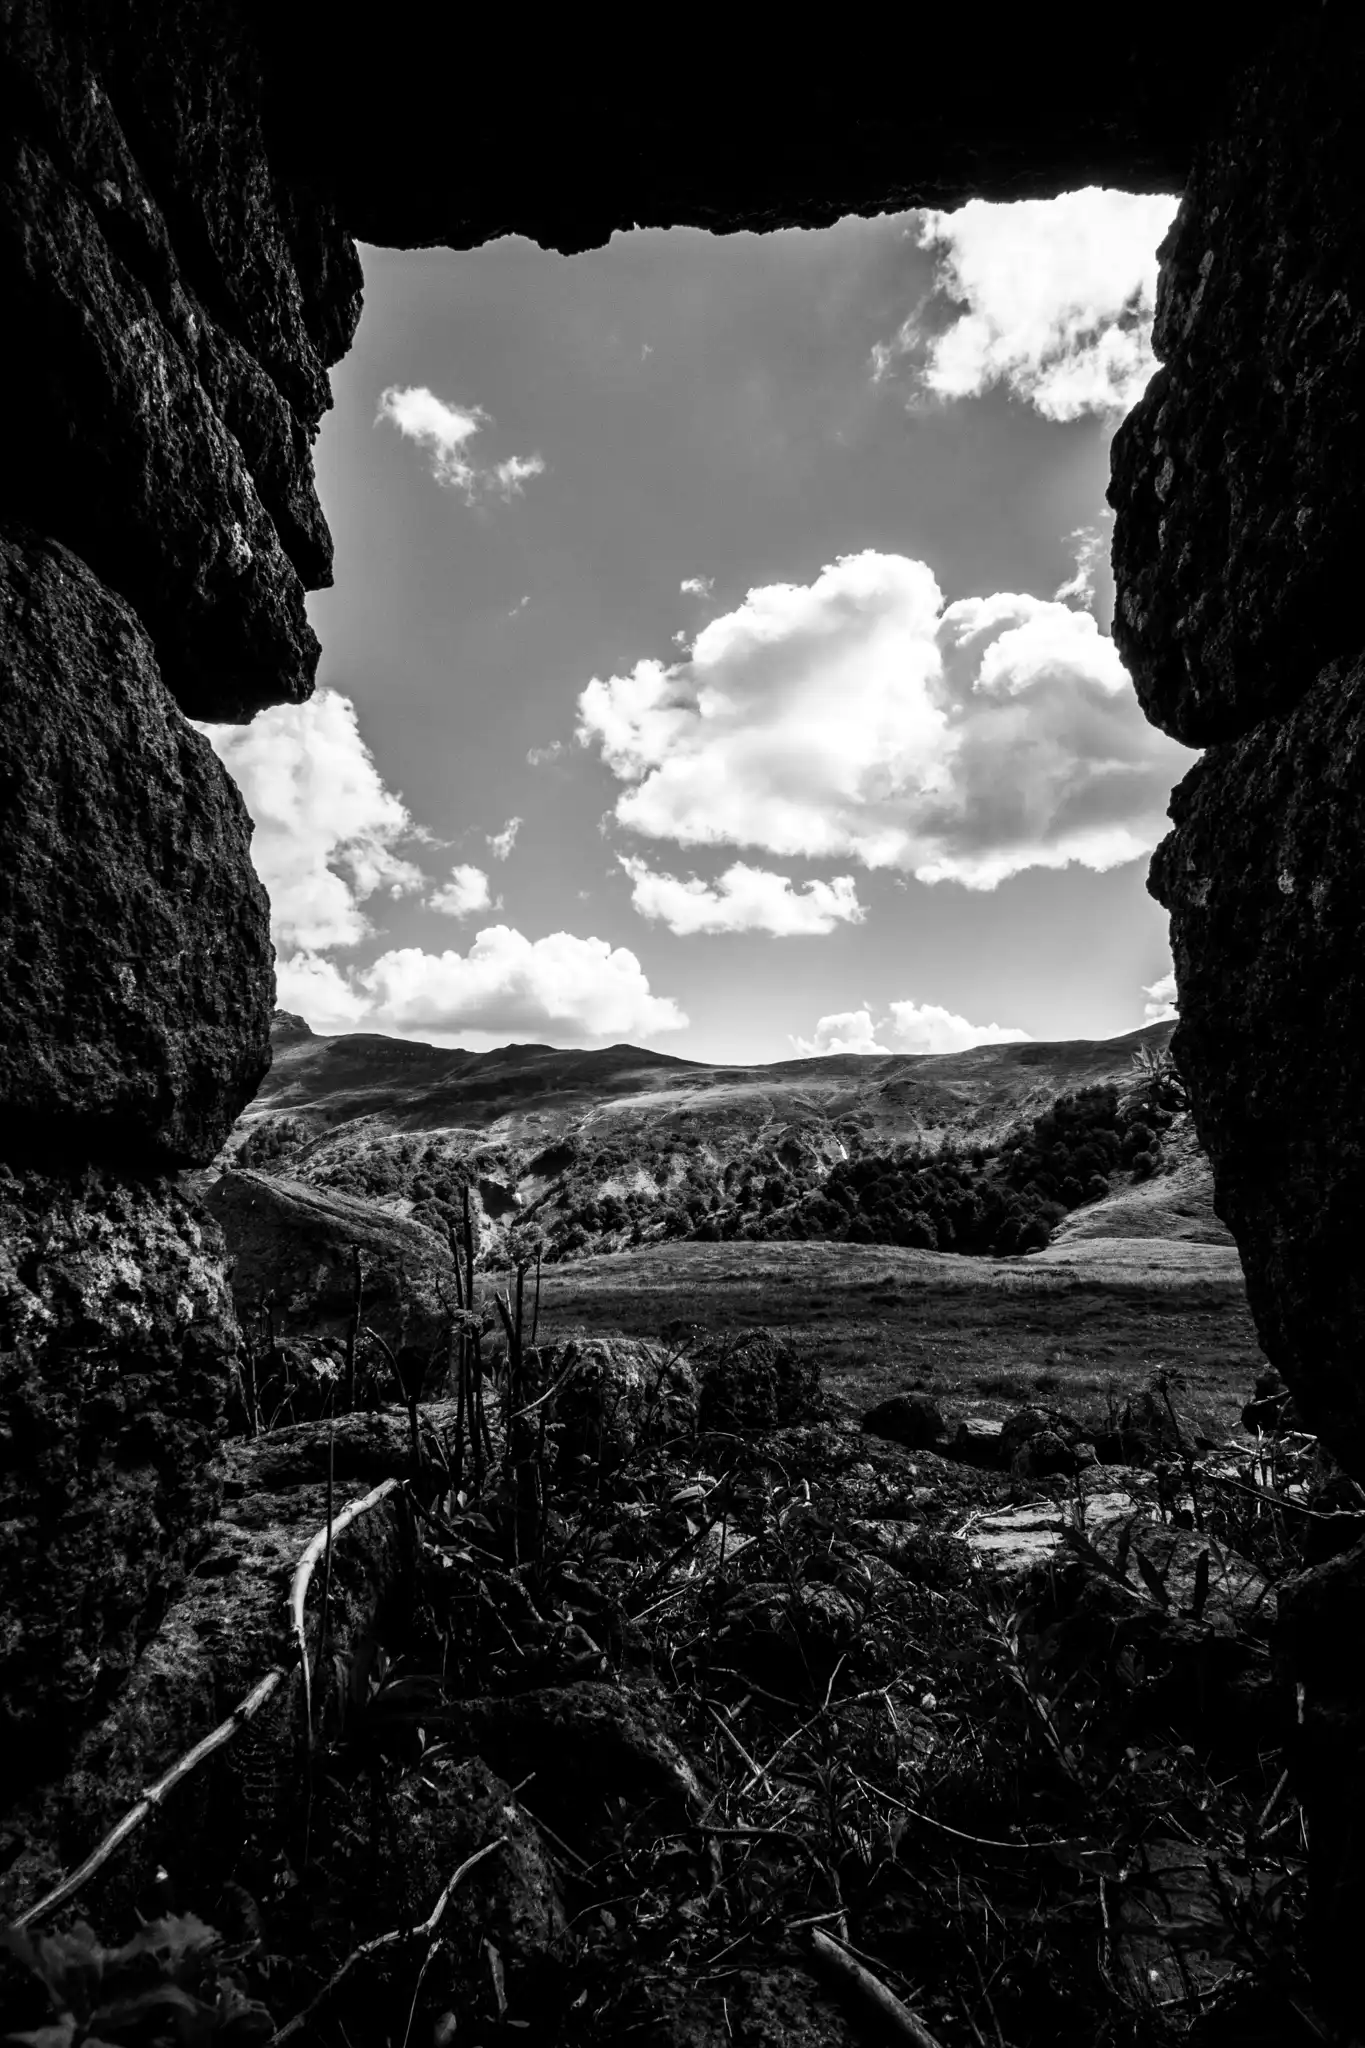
{"type": "Point", "coordinates": [165, 1986]}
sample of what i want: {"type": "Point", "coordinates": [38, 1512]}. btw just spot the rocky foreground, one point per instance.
{"type": "Point", "coordinates": [732, 1721]}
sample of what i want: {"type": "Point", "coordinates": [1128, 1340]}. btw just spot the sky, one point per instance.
{"type": "Point", "coordinates": [718, 657]}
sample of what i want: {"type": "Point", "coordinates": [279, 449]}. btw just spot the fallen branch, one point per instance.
{"type": "Point", "coordinates": [867, 1992]}
{"type": "Point", "coordinates": [298, 1591]}
{"type": "Point", "coordinates": [224, 1732]}
{"type": "Point", "coordinates": [422, 1931]}
{"type": "Point", "coordinates": [154, 1795]}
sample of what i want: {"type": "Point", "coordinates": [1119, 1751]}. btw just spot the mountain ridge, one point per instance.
{"type": "Point", "coordinates": [609, 1148]}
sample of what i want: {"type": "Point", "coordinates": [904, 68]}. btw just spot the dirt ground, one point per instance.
{"type": "Point", "coordinates": [984, 1335]}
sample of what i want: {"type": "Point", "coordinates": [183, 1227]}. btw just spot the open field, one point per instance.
{"type": "Point", "coordinates": [1063, 1326]}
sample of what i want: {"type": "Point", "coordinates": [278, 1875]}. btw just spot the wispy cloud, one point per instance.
{"type": "Point", "coordinates": [743, 899]}
{"type": "Point", "coordinates": [698, 586]}
{"type": "Point", "coordinates": [510, 476]}
{"type": "Point", "coordinates": [500, 844]}
{"type": "Point", "coordinates": [1091, 558]}
{"type": "Point", "coordinates": [444, 431]}
{"type": "Point", "coordinates": [541, 757]}
{"type": "Point", "coordinates": [1055, 302]}
{"type": "Point", "coordinates": [859, 716]}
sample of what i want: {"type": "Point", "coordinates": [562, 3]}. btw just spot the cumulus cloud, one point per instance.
{"type": "Point", "coordinates": [1162, 1001]}
{"type": "Point", "coordinates": [324, 845]}
{"type": "Point", "coordinates": [541, 757]}
{"type": "Point", "coordinates": [923, 1027]}
{"type": "Point", "coordinates": [509, 985]}
{"type": "Point", "coordinates": [500, 844]}
{"type": "Point", "coordinates": [463, 894]}
{"type": "Point", "coordinates": [698, 586]}
{"type": "Point", "coordinates": [317, 990]}
{"type": "Point", "coordinates": [506, 986]}
{"type": "Point", "coordinates": [444, 431]}
{"type": "Point", "coordinates": [858, 716]}
{"type": "Point", "coordinates": [910, 1028]}
{"type": "Point", "coordinates": [743, 899]}
{"type": "Point", "coordinates": [326, 826]}
{"type": "Point", "coordinates": [1056, 298]}
{"type": "Point", "coordinates": [844, 1031]}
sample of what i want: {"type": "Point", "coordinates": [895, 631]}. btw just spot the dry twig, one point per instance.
{"type": "Point", "coordinates": [424, 1929]}
{"type": "Point", "coordinates": [153, 1797]}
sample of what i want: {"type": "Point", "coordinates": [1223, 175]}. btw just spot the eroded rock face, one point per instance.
{"type": "Point", "coordinates": [1238, 486]}
{"type": "Point", "coordinates": [117, 1342]}
{"type": "Point", "coordinates": [136, 971]}
{"type": "Point", "coordinates": [171, 313]}
{"type": "Point", "coordinates": [1239, 479]}
{"type": "Point", "coordinates": [1262, 878]}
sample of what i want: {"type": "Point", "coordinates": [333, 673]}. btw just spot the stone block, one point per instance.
{"type": "Point", "coordinates": [136, 971]}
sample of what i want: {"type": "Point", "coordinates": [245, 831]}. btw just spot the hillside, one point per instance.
{"type": "Point", "coordinates": [606, 1150]}
{"type": "Point", "coordinates": [528, 1095]}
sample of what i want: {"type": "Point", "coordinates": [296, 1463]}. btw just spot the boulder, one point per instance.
{"type": "Point", "coordinates": [510, 1901]}
{"type": "Point", "coordinates": [136, 971]}
{"type": "Point", "coordinates": [1019, 1427]}
{"type": "Point", "coordinates": [910, 1419]}
{"type": "Point", "coordinates": [980, 1441]}
{"type": "Point", "coordinates": [759, 1380]}
{"type": "Point", "coordinates": [292, 1249]}
{"type": "Point", "coordinates": [622, 1393]}
{"type": "Point", "coordinates": [1043, 1455]}
{"type": "Point", "coordinates": [597, 1751]}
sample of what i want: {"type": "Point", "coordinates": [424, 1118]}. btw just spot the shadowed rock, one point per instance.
{"type": "Point", "coordinates": [117, 1345]}
{"type": "Point", "coordinates": [136, 973]}
{"type": "Point", "coordinates": [910, 1419]}
{"type": "Point", "coordinates": [292, 1246]}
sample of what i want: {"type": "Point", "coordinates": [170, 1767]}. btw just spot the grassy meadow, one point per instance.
{"type": "Point", "coordinates": [1064, 1326]}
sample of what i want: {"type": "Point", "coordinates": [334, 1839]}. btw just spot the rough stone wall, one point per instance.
{"type": "Point", "coordinates": [170, 312]}
{"type": "Point", "coordinates": [135, 961]}
{"type": "Point", "coordinates": [1239, 484]}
